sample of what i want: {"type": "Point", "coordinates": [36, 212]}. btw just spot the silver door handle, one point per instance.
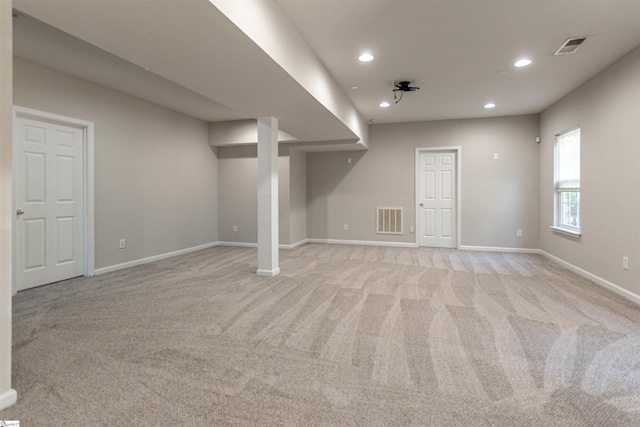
{"type": "Point", "coordinates": [19, 212]}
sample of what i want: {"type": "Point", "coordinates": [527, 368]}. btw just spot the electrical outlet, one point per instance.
{"type": "Point", "coordinates": [518, 233]}
{"type": "Point", "coordinates": [346, 227]}
{"type": "Point", "coordinates": [412, 229]}
{"type": "Point", "coordinates": [235, 228]}
{"type": "Point", "coordinates": [349, 160]}
{"type": "Point", "coordinates": [625, 262]}
{"type": "Point", "coordinates": [496, 156]}
{"type": "Point", "coordinates": [122, 244]}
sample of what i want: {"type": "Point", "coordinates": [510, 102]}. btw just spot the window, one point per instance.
{"type": "Point", "coordinates": [567, 179]}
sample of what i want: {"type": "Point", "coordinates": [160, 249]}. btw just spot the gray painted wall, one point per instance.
{"type": "Point", "coordinates": [155, 174]}
{"type": "Point", "coordinates": [6, 208]}
{"type": "Point", "coordinates": [498, 196]}
{"type": "Point", "coordinates": [238, 195]}
{"type": "Point", "coordinates": [607, 109]}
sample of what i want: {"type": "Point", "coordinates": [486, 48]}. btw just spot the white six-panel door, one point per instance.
{"type": "Point", "coordinates": [49, 202]}
{"type": "Point", "coordinates": [437, 216]}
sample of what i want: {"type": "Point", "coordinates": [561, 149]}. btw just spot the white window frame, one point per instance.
{"type": "Point", "coordinates": [557, 217]}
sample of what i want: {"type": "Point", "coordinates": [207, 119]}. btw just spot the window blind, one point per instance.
{"type": "Point", "coordinates": [568, 161]}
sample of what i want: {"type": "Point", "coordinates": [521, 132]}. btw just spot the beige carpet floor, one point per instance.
{"type": "Point", "coordinates": [346, 335]}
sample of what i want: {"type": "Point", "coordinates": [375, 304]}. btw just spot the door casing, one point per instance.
{"type": "Point", "coordinates": [88, 243]}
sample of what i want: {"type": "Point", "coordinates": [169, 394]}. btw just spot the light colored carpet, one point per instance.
{"type": "Point", "coordinates": [346, 335]}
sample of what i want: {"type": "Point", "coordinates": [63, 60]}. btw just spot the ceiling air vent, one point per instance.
{"type": "Point", "coordinates": [570, 46]}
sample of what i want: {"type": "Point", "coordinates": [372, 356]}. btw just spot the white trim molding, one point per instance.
{"type": "Point", "coordinates": [8, 398]}
{"type": "Point", "coordinates": [294, 245]}
{"type": "Point", "coordinates": [566, 231]}
{"type": "Point", "coordinates": [255, 245]}
{"type": "Point", "coordinates": [590, 276]}
{"type": "Point", "coordinates": [104, 270]}
{"type": "Point", "coordinates": [596, 279]}
{"type": "Point", "coordinates": [364, 243]}
{"type": "Point", "coordinates": [141, 261]}
{"type": "Point", "coordinates": [499, 249]}
{"type": "Point", "coordinates": [238, 244]}
{"type": "Point", "coordinates": [268, 273]}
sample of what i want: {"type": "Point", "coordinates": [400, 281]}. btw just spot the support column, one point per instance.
{"type": "Point", "coordinates": [268, 257]}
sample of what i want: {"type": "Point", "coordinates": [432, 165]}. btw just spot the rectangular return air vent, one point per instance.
{"type": "Point", "coordinates": [389, 220]}
{"type": "Point", "coordinates": [570, 45]}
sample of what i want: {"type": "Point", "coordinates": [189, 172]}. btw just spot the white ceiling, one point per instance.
{"type": "Point", "coordinates": [459, 47]}
{"type": "Point", "coordinates": [190, 43]}
{"type": "Point", "coordinates": [41, 43]}
{"type": "Point", "coordinates": [463, 50]}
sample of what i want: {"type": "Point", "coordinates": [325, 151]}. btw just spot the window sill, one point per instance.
{"type": "Point", "coordinates": [568, 232]}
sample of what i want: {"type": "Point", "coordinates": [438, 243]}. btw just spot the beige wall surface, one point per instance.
{"type": "Point", "coordinates": [155, 174]}
{"type": "Point", "coordinates": [6, 208]}
{"type": "Point", "coordinates": [498, 196]}
{"type": "Point", "coordinates": [238, 194]}
{"type": "Point", "coordinates": [298, 195]}
{"type": "Point", "coordinates": [607, 109]}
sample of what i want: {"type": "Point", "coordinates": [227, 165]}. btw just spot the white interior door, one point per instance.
{"type": "Point", "coordinates": [49, 202]}
{"type": "Point", "coordinates": [437, 218]}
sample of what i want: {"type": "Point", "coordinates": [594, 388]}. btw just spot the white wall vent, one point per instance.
{"type": "Point", "coordinates": [389, 220]}
{"type": "Point", "coordinates": [570, 45]}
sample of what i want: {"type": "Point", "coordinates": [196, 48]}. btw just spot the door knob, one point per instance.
{"type": "Point", "coordinates": [19, 212]}
{"type": "Point", "coordinates": [422, 204]}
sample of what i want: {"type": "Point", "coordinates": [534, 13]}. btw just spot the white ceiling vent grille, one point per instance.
{"type": "Point", "coordinates": [389, 220]}
{"type": "Point", "coordinates": [570, 45]}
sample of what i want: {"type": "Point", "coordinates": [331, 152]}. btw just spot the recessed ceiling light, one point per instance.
{"type": "Point", "coordinates": [354, 87]}
{"type": "Point", "coordinates": [489, 105]}
{"type": "Point", "coordinates": [523, 62]}
{"type": "Point", "coordinates": [365, 57]}
{"type": "Point", "coordinates": [384, 104]}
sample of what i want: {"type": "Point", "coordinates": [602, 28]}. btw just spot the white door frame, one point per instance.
{"type": "Point", "coordinates": [458, 150]}
{"type": "Point", "coordinates": [88, 243]}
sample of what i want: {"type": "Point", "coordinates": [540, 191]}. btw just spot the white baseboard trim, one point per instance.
{"type": "Point", "coordinates": [8, 398]}
{"type": "Point", "coordinates": [268, 273]}
{"type": "Point", "coordinates": [364, 243]}
{"type": "Point", "coordinates": [294, 245]}
{"type": "Point", "coordinates": [596, 279]}
{"type": "Point", "coordinates": [499, 249]}
{"type": "Point", "coordinates": [134, 263]}
{"type": "Point", "coordinates": [141, 261]}
{"type": "Point", "coordinates": [239, 244]}
{"type": "Point", "coordinates": [255, 245]}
